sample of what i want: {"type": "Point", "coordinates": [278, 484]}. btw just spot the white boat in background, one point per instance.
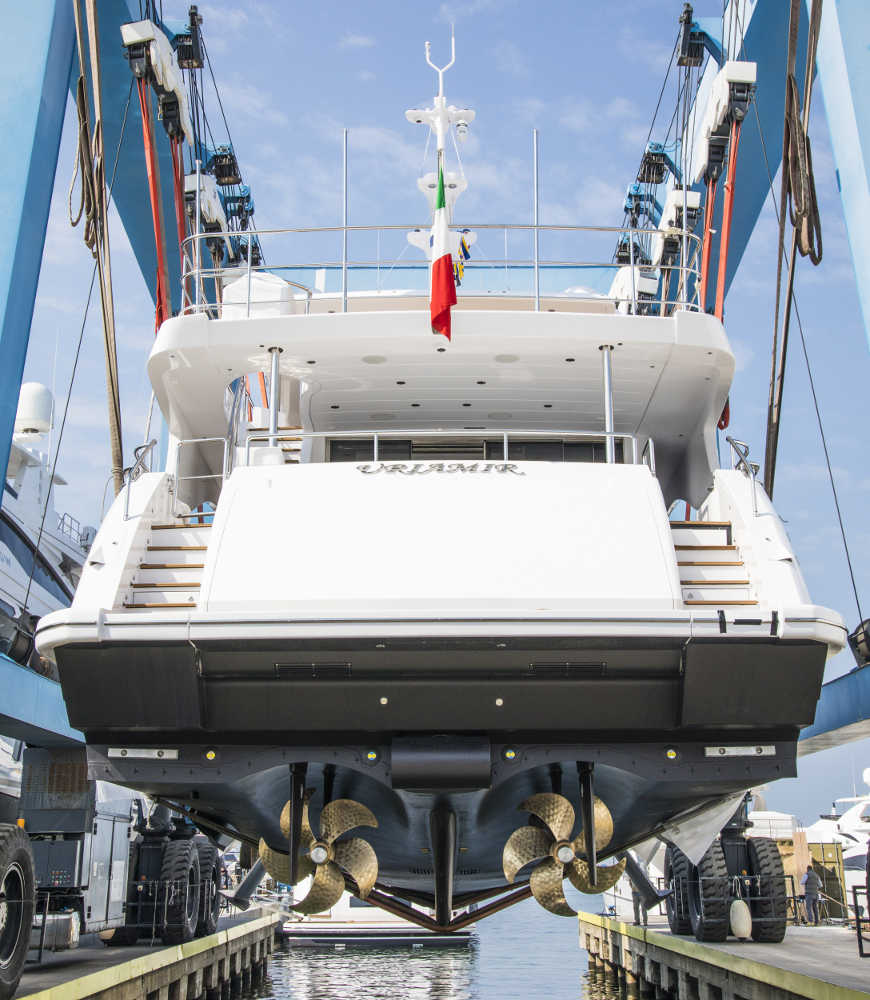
{"type": "Point", "coordinates": [849, 826]}
{"type": "Point", "coordinates": [41, 551]}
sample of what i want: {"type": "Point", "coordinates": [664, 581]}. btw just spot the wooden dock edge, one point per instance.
{"type": "Point", "coordinates": [648, 963]}
{"type": "Point", "coordinates": [211, 967]}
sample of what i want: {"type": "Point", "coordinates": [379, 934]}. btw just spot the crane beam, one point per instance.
{"type": "Point", "coordinates": [34, 77]}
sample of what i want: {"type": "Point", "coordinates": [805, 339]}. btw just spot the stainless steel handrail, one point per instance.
{"type": "Point", "coordinates": [527, 226]}
{"type": "Point", "coordinates": [740, 460]}
{"type": "Point", "coordinates": [193, 268]}
{"type": "Point", "coordinates": [135, 471]}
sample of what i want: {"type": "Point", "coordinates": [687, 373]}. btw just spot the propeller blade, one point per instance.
{"type": "Point", "coordinates": [325, 891]}
{"type": "Point", "coordinates": [525, 845]}
{"type": "Point", "coordinates": [546, 885]}
{"type": "Point", "coordinates": [606, 876]}
{"type": "Point", "coordinates": [555, 810]}
{"type": "Point", "coordinates": [275, 863]}
{"type": "Point", "coordinates": [305, 866]}
{"type": "Point", "coordinates": [357, 857]}
{"type": "Point", "coordinates": [307, 838]}
{"type": "Point", "coordinates": [603, 828]}
{"type": "Point", "coordinates": [342, 815]}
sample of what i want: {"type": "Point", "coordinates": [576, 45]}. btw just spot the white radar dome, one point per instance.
{"type": "Point", "coordinates": [35, 409]}
{"type": "Point", "coordinates": [866, 775]}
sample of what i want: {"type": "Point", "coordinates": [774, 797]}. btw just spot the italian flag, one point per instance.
{"type": "Point", "coordinates": [442, 294]}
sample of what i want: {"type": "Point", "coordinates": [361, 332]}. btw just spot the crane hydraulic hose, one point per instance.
{"type": "Point", "coordinates": [727, 212]}
{"type": "Point", "coordinates": [178, 194]}
{"type": "Point", "coordinates": [162, 292]}
{"type": "Point", "coordinates": [709, 208]}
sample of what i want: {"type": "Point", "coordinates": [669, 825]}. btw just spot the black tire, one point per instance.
{"type": "Point", "coordinates": [210, 883]}
{"type": "Point", "coordinates": [123, 937]}
{"type": "Point", "coordinates": [770, 911]}
{"type": "Point", "coordinates": [17, 903]}
{"type": "Point", "coordinates": [678, 871]}
{"type": "Point", "coordinates": [710, 896]}
{"type": "Point", "coordinates": [179, 877]}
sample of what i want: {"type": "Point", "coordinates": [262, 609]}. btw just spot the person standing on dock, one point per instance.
{"type": "Point", "coordinates": [640, 912]}
{"type": "Point", "coordinates": [811, 884]}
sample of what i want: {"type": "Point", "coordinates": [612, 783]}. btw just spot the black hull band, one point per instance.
{"type": "Point", "coordinates": [257, 689]}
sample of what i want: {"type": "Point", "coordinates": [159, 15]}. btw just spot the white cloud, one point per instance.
{"type": "Point", "coordinates": [743, 354]}
{"type": "Point", "coordinates": [576, 116]}
{"type": "Point", "coordinates": [252, 102]}
{"type": "Point", "coordinates": [529, 109]}
{"type": "Point", "coordinates": [352, 41]}
{"type": "Point", "coordinates": [366, 76]}
{"type": "Point", "coordinates": [509, 59]}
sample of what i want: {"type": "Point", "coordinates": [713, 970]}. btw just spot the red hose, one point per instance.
{"type": "Point", "coordinates": [178, 194]}
{"type": "Point", "coordinates": [161, 296]}
{"type": "Point", "coordinates": [727, 212]}
{"type": "Point", "coordinates": [709, 208]}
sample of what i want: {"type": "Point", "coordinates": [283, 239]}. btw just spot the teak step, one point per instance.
{"type": "Point", "coordinates": [180, 527]}
{"type": "Point", "coordinates": [166, 586]}
{"type": "Point", "coordinates": [721, 604]}
{"type": "Point", "coordinates": [176, 548]}
{"type": "Point", "coordinates": [171, 565]}
{"type": "Point", "coordinates": [708, 562]}
{"type": "Point", "coordinates": [161, 604]}
{"type": "Point", "coordinates": [707, 548]}
{"type": "Point", "coordinates": [706, 583]}
{"type": "Point", "coordinates": [700, 524]}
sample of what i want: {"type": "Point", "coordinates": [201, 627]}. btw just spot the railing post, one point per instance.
{"type": "Point", "coordinates": [607, 375]}
{"type": "Point", "coordinates": [631, 265]}
{"type": "Point", "coordinates": [250, 249]}
{"type": "Point", "coordinates": [198, 252]}
{"type": "Point", "coordinates": [344, 225]}
{"type": "Point", "coordinates": [684, 270]}
{"type": "Point", "coordinates": [274, 397]}
{"type": "Point", "coordinates": [536, 211]}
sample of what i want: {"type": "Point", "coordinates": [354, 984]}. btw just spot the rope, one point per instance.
{"type": "Point", "coordinates": [818, 412]}
{"type": "Point", "coordinates": [84, 163]}
{"type": "Point", "coordinates": [72, 377]}
{"type": "Point", "coordinates": [798, 190]}
{"type": "Point", "coordinates": [799, 179]}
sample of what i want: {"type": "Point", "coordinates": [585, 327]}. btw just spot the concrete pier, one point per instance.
{"type": "Point", "coordinates": [820, 963]}
{"type": "Point", "coordinates": [211, 968]}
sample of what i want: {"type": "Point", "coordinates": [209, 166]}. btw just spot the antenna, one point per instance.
{"type": "Point", "coordinates": [442, 69]}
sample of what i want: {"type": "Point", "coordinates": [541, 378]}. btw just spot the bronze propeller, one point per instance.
{"type": "Point", "coordinates": [325, 856]}
{"type": "Point", "coordinates": [557, 852]}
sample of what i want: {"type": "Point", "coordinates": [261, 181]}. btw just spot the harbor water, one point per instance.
{"type": "Point", "coordinates": [518, 954]}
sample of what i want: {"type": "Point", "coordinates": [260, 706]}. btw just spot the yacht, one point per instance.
{"type": "Point", "coordinates": [41, 557]}
{"type": "Point", "coordinates": [468, 580]}
{"type": "Point", "coordinates": [41, 551]}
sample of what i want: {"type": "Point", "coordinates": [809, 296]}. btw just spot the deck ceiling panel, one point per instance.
{"type": "Point", "coordinates": [671, 375]}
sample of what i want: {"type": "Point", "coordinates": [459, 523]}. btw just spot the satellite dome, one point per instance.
{"type": "Point", "coordinates": [35, 409]}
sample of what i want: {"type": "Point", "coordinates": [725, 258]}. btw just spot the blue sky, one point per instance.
{"type": "Point", "coordinates": [292, 77]}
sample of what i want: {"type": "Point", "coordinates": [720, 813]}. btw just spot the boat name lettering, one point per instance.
{"type": "Point", "coordinates": [422, 468]}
